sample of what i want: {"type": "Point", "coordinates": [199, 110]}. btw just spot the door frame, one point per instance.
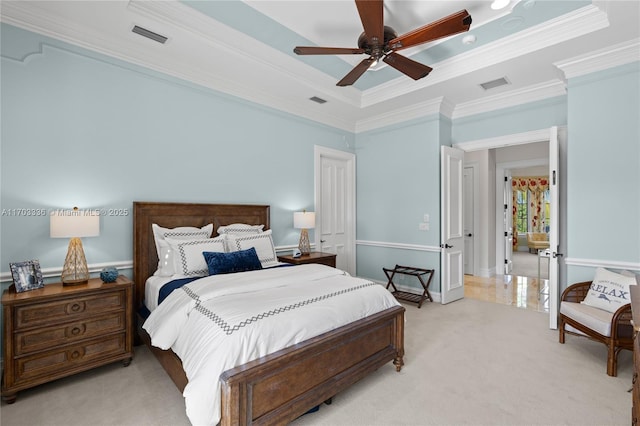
{"type": "Point", "coordinates": [473, 165]}
{"type": "Point", "coordinates": [318, 153]}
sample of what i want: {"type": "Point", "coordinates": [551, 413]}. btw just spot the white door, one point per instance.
{"type": "Point", "coordinates": [451, 232]}
{"type": "Point", "coordinates": [468, 220]}
{"type": "Point", "coordinates": [507, 220]}
{"type": "Point", "coordinates": [554, 213]}
{"type": "Point", "coordinates": [335, 206]}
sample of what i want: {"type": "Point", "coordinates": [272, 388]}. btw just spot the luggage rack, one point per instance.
{"type": "Point", "coordinates": [419, 273]}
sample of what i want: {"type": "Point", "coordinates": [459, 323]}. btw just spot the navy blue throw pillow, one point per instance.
{"type": "Point", "coordinates": [237, 261]}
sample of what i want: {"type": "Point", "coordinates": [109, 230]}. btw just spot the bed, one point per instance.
{"type": "Point", "coordinates": [281, 386]}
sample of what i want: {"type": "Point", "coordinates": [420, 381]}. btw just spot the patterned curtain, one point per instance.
{"type": "Point", "coordinates": [537, 185]}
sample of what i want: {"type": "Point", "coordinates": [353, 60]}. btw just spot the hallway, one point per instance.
{"type": "Point", "coordinates": [522, 292]}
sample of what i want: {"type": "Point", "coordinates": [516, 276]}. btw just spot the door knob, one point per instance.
{"type": "Point", "coordinates": [469, 235]}
{"type": "Point", "coordinates": [322, 241]}
{"type": "Point", "coordinates": [446, 246]}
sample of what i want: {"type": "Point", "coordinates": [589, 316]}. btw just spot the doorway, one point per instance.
{"type": "Point", "coordinates": [335, 194]}
{"type": "Point", "coordinates": [489, 281]}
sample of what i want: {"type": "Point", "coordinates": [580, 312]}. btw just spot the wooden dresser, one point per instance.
{"type": "Point", "coordinates": [635, 310]}
{"type": "Point", "coordinates": [57, 331]}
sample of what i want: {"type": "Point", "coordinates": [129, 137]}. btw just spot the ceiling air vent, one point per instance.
{"type": "Point", "coordinates": [149, 34]}
{"type": "Point", "coordinates": [317, 99]}
{"type": "Point", "coordinates": [502, 81]}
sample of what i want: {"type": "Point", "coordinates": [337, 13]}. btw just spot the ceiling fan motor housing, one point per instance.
{"type": "Point", "coordinates": [363, 43]}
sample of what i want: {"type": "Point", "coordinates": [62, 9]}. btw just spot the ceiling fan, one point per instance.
{"type": "Point", "coordinates": [381, 42]}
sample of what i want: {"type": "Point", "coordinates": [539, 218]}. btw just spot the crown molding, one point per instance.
{"type": "Point", "coordinates": [399, 115]}
{"type": "Point", "coordinates": [613, 56]}
{"type": "Point", "coordinates": [511, 98]}
{"type": "Point", "coordinates": [350, 103]}
{"type": "Point", "coordinates": [27, 16]}
{"type": "Point", "coordinates": [569, 26]}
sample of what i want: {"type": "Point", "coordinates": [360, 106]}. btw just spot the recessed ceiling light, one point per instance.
{"type": "Point", "coordinates": [469, 39]}
{"type": "Point", "coordinates": [499, 4]}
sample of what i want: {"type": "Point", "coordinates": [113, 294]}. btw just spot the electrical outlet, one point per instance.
{"type": "Point", "coordinates": [423, 226]}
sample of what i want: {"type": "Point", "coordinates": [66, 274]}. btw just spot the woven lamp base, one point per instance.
{"type": "Point", "coordinates": [75, 270]}
{"type": "Point", "coordinates": [304, 245]}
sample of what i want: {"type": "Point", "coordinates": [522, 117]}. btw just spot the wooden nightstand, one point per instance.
{"type": "Point", "coordinates": [313, 257]}
{"type": "Point", "coordinates": [57, 331]}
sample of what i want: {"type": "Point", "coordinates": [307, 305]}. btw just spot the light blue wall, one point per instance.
{"type": "Point", "coordinates": [81, 129]}
{"type": "Point", "coordinates": [398, 181]}
{"type": "Point", "coordinates": [604, 168]}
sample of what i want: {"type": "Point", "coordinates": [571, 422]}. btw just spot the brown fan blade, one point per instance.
{"type": "Point", "coordinates": [452, 24]}
{"type": "Point", "coordinates": [413, 69]}
{"type": "Point", "coordinates": [313, 50]}
{"type": "Point", "coordinates": [372, 20]}
{"type": "Point", "coordinates": [355, 73]}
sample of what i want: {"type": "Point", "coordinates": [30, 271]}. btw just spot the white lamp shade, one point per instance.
{"type": "Point", "coordinates": [74, 223]}
{"type": "Point", "coordinates": [304, 220]}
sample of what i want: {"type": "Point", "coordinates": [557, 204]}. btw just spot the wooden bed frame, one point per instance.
{"type": "Point", "coordinates": [279, 387]}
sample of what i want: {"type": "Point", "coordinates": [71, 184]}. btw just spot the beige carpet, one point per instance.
{"type": "Point", "coordinates": [468, 362]}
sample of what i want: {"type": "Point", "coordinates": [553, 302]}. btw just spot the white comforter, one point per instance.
{"type": "Point", "coordinates": [222, 321]}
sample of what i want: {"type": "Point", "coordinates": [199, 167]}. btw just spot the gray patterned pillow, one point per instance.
{"type": "Point", "coordinates": [188, 258]}
{"type": "Point", "coordinates": [263, 243]}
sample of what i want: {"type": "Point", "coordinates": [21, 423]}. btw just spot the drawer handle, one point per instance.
{"type": "Point", "coordinates": [76, 308]}
{"type": "Point", "coordinates": [76, 354]}
{"type": "Point", "coordinates": [75, 330]}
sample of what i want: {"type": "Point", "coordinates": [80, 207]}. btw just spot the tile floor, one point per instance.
{"type": "Point", "coordinates": [523, 292]}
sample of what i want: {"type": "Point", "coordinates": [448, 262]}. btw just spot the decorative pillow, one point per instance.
{"type": "Point", "coordinates": [240, 229]}
{"type": "Point", "coordinates": [262, 242]}
{"type": "Point", "coordinates": [165, 254]}
{"type": "Point", "coordinates": [609, 290]}
{"type": "Point", "coordinates": [188, 259]}
{"type": "Point", "coordinates": [237, 261]}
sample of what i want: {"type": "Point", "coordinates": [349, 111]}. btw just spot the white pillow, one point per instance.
{"type": "Point", "coordinates": [165, 254]}
{"type": "Point", "coordinates": [263, 243]}
{"type": "Point", "coordinates": [609, 290]}
{"type": "Point", "coordinates": [240, 229]}
{"type": "Point", "coordinates": [188, 257]}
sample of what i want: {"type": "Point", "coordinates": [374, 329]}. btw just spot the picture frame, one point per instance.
{"type": "Point", "coordinates": [26, 275]}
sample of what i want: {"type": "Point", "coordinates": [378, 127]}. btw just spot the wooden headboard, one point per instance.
{"type": "Point", "coordinates": [171, 215]}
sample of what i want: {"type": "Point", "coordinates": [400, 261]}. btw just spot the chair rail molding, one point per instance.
{"type": "Point", "coordinates": [403, 246]}
{"type": "Point", "coordinates": [599, 263]}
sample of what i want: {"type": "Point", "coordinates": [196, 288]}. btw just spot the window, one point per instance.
{"type": "Point", "coordinates": [522, 203]}
{"type": "Point", "coordinates": [524, 210]}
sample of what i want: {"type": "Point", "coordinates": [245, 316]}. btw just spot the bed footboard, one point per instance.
{"type": "Point", "coordinates": [280, 387]}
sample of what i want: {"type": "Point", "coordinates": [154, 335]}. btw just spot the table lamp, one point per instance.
{"type": "Point", "coordinates": [74, 224]}
{"type": "Point", "coordinates": [304, 220]}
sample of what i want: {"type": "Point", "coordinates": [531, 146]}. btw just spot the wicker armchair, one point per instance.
{"type": "Point", "coordinates": [614, 330]}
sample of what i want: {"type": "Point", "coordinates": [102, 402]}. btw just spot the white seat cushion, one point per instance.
{"type": "Point", "coordinates": [596, 319]}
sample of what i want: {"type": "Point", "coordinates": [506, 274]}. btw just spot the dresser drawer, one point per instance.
{"type": "Point", "coordinates": [58, 361]}
{"type": "Point", "coordinates": [59, 335]}
{"type": "Point", "coordinates": [39, 314]}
